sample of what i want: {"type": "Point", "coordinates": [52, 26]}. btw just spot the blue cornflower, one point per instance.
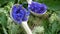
{"type": "Point", "coordinates": [19, 13]}
{"type": "Point", "coordinates": [37, 8]}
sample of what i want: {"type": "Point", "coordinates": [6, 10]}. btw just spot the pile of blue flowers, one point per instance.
{"type": "Point", "coordinates": [20, 10]}
{"type": "Point", "coordinates": [19, 13]}
{"type": "Point", "coordinates": [37, 7]}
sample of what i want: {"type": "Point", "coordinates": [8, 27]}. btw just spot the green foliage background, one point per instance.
{"type": "Point", "coordinates": [48, 23]}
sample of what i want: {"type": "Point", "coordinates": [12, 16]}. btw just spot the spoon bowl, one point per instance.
{"type": "Point", "coordinates": [37, 8]}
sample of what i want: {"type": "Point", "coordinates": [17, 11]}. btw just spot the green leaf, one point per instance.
{"type": "Point", "coordinates": [3, 18]}
{"type": "Point", "coordinates": [4, 2]}
{"type": "Point", "coordinates": [53, 17]}
{"type": "Point", "coordinates": [5, 31]}
{"type": "Point", "coordinates": [13, 29]}
{"type": "Point", "coordinates": [55, 27]}
{"type": "Point", "coordinates": [38, 29]}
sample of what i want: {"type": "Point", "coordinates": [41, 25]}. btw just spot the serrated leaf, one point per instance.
{"type": "Point", "coordinates": [53, 17]}
{"type": "Point", "coordinates": [38, 29]}
{"type": "Point", "coordinates": [55, 27]}
{"type": "Point", "coordinates": [13, 29]}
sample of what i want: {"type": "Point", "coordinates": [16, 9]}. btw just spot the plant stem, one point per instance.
{"type": "Point", "coordinates": [29, 1]}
